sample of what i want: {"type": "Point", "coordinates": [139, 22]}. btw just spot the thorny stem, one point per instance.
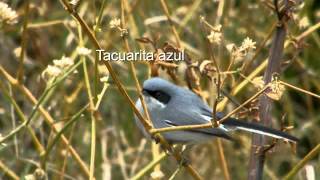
{"type": "Point", "coordinates": [257, 157]}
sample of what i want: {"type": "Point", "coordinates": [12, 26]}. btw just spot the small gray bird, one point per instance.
{"type": "Point", "coordinates": [171, 105]}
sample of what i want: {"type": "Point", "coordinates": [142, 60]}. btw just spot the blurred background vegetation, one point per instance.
{"type": "Point", "coordinates": [34, 33]}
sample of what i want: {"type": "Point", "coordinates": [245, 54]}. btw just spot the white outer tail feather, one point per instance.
{"type": "Point", "coordinates": [221, 126]}
{"type": "Point", "coordinates": [263, 133]}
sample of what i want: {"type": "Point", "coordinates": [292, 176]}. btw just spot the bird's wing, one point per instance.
{"type": "Point", "coordinates": [196, 116]}
{"type": "Point", "coordinates": [192, 115]}
{"type": "Point", "coordinates": [218, 132]}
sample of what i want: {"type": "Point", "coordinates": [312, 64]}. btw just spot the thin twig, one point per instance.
{"type": "Point", "coordinates": [51, 144]}
{"type": "Point", "coordinates": [92, 108]}
{"type": "Point", "coordinates": [307, 158]}
{"type": "Point", "coordinates": [217, 80]}
{"type": "Point", "coordinates": [49, 88]}
{"type": "Point", "coordinates": [163, 142]}
{"type": "Point", "coordinates": [308, 31]}
{"type": "Point", "coordinates": [23, 41]}
{"type": "Point", "coordinates": [175, 173]}
{"type": "Point", "coordinates": [93, 121]}
{"type": "Point", "coordinates": [299, 89]}
{"type": "Point", "coordinates": [13, 119]}
{"type": "Point", "coordinates": [96, 60]}
{"type": "Point", "coordinates": [223, 162]}
{"type": "Point", "coordinates": [149, 166]}
{"type": "Point", "coordinates": [20, 114]}
{"type": "Point", "coordinates": [45, 24]}
{"type": "Point", "coordinates": [173, 28]}
{"type": "Point", "coordinates": [64, 164]}
{"type": "Point", "coordinates": [48, 118]}
{"type": "Point", "coordinates": [8, 171]}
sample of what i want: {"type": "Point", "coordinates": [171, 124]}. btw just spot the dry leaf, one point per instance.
{"type": "Point", "coordinates": [277, 90]}
{"type": "Point", "coordinates": [144, 40]}
{"type": "Point", "coordinates": [203, 65]}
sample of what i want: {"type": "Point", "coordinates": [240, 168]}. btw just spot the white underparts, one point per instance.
{"type": "Point", "coordinates": [154, 103]}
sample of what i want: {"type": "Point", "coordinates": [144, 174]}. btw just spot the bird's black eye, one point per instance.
{"type": "Point", "coordinates": [159, 95]}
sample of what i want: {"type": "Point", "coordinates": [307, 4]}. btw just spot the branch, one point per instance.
{"type": "Point", "coordinates": [308, 157]}
{"type": "Point", "coordinates": [257, 157]}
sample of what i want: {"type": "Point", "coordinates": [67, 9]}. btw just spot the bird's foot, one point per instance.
{"type": "Point", "coordinates": [184, 161]}
{"type": "Point", "coordinates": [156, 139]}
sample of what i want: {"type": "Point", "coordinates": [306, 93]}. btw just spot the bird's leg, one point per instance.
{"type": "Point", "coordinates": [156, 139]}
{"type": "Point", "coordinates": [169, 152]}
{"type": "Point", "coordinates": [184, 159]}
{"type": "Point", "coordinates": [167, 149]}
{"type": "Point", "coordinates": [177, 151]}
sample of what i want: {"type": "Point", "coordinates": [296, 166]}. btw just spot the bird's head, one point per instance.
{"type": "Point", "coordinates": [159, 89]}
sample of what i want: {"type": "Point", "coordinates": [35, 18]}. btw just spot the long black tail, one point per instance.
{"type": "Point", "coordinates": [259, 129]}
